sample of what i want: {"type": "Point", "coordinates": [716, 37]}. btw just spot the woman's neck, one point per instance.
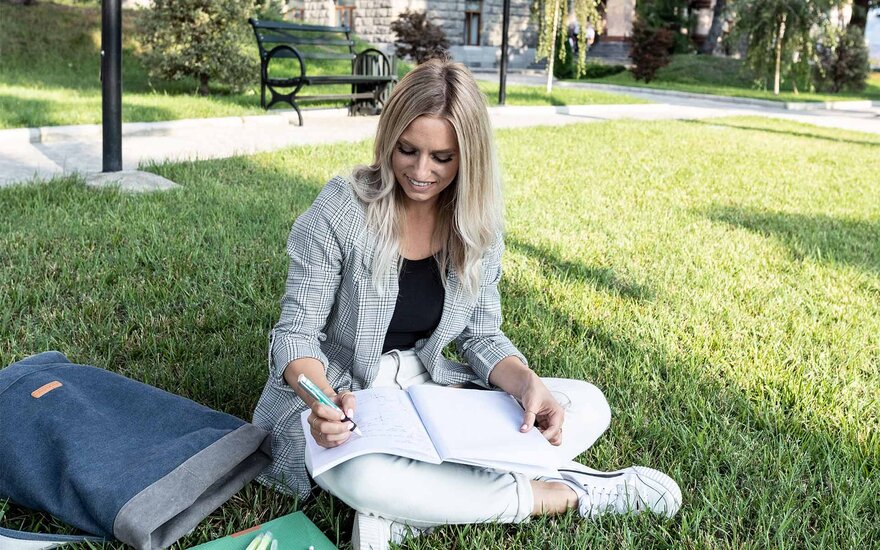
{"type": "Point", "coordinates": [419, 234]}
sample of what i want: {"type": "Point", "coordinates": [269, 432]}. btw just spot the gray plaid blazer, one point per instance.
{"type": "Point", "coordinates": [332, 312]}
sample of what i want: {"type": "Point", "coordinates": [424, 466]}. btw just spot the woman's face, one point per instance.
{"type": "Point", "coordinates": [425, 159]}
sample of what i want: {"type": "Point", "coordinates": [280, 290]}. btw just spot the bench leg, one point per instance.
{"type": "Point", "coordinates": [285, 98]}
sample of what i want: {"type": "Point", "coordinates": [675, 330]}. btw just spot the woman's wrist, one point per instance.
{"type": "Point", "coordinates": [314, 371]}
{"type": "Point", "coordinates": [512, 376]}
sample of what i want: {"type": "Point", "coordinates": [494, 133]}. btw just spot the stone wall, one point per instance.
{"type": "Point", "coordinates": [372, 19]}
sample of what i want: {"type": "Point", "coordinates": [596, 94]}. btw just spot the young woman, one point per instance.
{"type": "Point", "coordinates": [389, 266]}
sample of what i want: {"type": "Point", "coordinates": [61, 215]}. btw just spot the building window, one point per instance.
{"type": "Point", "coordinates": [472, 10]}
{"type": "Point", "coordinates": [345, 16]}
{"type": "Point", "coordinates": [295, 10]}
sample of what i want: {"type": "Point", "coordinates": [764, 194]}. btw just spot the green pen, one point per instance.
{"type": "Point", "coordinates": [322, 398]}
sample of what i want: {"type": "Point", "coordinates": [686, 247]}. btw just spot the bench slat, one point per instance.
{"type": "Point", "coordinates": [330, 79]}
{"type": "Point", "coordinates": [284, 54]}
{"type": "Point", "coordinates": [287, 39]}
{"type": "Point", "coordinates": [363, 95]}
{"type": "Point", "coordinates": [294, 26]}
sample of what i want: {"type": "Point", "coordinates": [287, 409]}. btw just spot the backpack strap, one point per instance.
{"type": "Point", "coordinates": [11, 539]}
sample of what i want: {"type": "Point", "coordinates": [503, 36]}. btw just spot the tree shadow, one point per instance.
{"type": "Point", "coordinates": [672, 412]}
{"type": "Point", "coordinates": [809, 135]}
{"type": "Point", "coordinates": [27, 112]}
{"type": "Point", "coordinates": [552, 266]}
{"type": "Point", "coordinates": [819, 237]}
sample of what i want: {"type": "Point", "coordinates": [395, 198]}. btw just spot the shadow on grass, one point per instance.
{"type": "Point", "coordinates": [602, 277]}
{"type": "Point", "coordinates": [24, 112]}
{"type": "Point", "coordinates": [818, 136]}
{"type": "Point", "coordinates": [819, 237]}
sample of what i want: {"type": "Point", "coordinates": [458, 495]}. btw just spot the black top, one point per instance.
{"type": "Point", "coordinates": [419, 304]}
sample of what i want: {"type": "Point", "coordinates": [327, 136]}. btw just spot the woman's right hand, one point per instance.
{"type": "Point", "coordinates": [327, 426]}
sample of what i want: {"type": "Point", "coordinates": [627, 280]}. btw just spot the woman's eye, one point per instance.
{"type": "Point", "coordinates": [443, 160]}
{"type": "Point", "coordinates": [406, 151]}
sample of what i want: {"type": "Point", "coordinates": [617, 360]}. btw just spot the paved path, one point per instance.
{"type": "Point", "coordinates": [26, 154]}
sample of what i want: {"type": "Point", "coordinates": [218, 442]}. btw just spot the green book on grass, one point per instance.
{"type": "Point", "coordinates": [293, 532]}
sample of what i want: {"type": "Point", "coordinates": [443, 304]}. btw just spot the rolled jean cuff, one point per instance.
{"type": "Point", "coordinates": [525, 498]}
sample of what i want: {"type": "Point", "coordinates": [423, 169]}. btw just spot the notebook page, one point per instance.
{"type": "Point", "coordinates": [481, 427]}
{"type": "Point", "coordinates": [390, 424]}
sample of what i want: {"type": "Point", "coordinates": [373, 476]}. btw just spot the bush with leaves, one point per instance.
{"type": "Point", "coordinates": [568, 67]}
{"type": "Point", "coordinates": [203, 39]}
{"type": "Point", "coordinates": [418, 38]}
{"type": "Point", "coordinates": [842, 61]}
{"type": "Point", "coordinates": [780, 37]}
{"type": "Point", "coordinates": [651, 48]}
{"type": "Point", "coordinates": [673, 15]}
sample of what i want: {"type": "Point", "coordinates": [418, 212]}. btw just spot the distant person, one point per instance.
{"type": "Point", "coordinates": [388, 267]}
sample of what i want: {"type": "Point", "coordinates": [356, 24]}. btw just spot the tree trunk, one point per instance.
{"type": "Point", "coordinates": [860, 14]}
{"type": "Point", "coordinates": [711, 43]}
{"type": "Point", "coordinates": [552, 47]}
{"type": "Point", "coordinates": [203, 85]}
{"type": "Point", "coordinates": [779, 38]}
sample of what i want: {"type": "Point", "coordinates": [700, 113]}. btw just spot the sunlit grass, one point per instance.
{"type": "Point", "coordinates": [720, 281]}
{"type": "Point", "coordinates": [725, 76]}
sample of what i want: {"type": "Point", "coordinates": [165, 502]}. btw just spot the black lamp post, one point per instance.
{"type": "Point", "coordinates": [505, 26]}
{"type": "Point", "coordinates": [111, 84]}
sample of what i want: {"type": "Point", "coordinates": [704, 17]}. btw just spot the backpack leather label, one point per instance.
{"type": "Point", "coordinates": [45, 388]}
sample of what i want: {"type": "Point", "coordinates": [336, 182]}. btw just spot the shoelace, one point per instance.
{"type": "Point", "coordinates": [619, 498]}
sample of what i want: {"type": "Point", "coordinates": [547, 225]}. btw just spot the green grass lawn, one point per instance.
{"type": "Point", "coordinates": [55, 81]}
{"type": "Point", "coordinates": [719, 280]}
{"type": "Point", "coordinates": [724, 76]}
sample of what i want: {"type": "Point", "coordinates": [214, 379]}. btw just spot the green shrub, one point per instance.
{"type": "Point", "coordinates": [205, 40]}
{"type": "Point", "coordinates": [651, 49]}
{"type": "Point", "coordinates": [565, 65]}
{"type": "Point", "coordinates": [842, 61]}
{"type": "Point", "coordinates": [601, 70]}
{"type": "Point", "coordinates": [418, 38]}
{"type": "Point", "coordinates": [566, 68]}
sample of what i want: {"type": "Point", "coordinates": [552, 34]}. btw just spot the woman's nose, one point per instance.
{"type": "Point", "coordinates": [423, 168]}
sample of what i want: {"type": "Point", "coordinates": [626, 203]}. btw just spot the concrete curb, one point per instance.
{"type": "Point", "coordinates": [854, 105]}
{"type": "Point", "coordinates": [54, 134]}
{"type": "Point", "coordinates": [92, 132]}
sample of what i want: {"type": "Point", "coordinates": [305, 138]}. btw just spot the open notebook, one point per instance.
{"type": "Point", "coordinates": [436, 424]}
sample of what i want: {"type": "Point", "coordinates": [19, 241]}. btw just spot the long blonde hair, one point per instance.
{"type": "Point", "coordinates": [470, 209]}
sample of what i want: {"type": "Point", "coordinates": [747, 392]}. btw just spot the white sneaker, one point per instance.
{"type": "Point", "coordinates": [375, 533]}
{"type": "Point", "coordinates": [632, 490]}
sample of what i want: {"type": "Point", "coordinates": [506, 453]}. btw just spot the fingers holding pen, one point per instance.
{"type": "Point", "coordinates": [327, 426]}
{"type": "Point", "coordinates": [347, 402]}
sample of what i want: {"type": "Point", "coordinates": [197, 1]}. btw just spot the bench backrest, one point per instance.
{"type": "Point", "coordinates": [311, 41]}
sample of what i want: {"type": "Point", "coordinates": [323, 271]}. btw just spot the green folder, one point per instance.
{"type": "Point", "coordinates": [293, 532]}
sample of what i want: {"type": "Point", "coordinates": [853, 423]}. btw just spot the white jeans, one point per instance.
{"type": "Point", "coordinates": [424, 495]}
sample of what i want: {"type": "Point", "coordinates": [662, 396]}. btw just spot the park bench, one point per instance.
{"type": "Point", "coordinates": [291, 46]}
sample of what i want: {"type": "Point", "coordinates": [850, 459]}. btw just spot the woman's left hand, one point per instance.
{"type": "Point", "coordinates": [541, 410]}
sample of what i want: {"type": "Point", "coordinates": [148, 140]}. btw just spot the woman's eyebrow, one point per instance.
{"type": "Point", "coordinates": [402, 141]}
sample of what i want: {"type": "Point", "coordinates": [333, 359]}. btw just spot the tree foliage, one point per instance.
{"type": "Point", "coordinates": [673, 15]}
{"type": "Point", "coordinates": [651, 49]}
{"type": "Point", "coordinates": [779, 36]}
{"type": "Point", "coordinates": [418, 38]}
{"type": "Point", "coordinates": [842, 60]}
{"type": "Point", "coordinates": [552, 12]}
{"type": "Point", "coordinates": [203, 39]}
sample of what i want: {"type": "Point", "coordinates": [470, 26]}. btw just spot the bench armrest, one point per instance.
{"type": "Point", "coordinates": [276, 51]}
{"type": "Point", "coordinates": [372, 62]}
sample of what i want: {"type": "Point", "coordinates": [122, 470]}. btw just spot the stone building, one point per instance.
{"type": "Point", "coordinates": [473, 27]}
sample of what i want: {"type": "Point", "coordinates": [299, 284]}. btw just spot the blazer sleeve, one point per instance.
{"type": "Point", "coordinates": [315, 248]}
{"type": "Point", "coordinates": [482, 344]}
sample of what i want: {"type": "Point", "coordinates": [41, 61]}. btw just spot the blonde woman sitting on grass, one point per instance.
{"type": "Point", "coordinates": [389, 266]}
